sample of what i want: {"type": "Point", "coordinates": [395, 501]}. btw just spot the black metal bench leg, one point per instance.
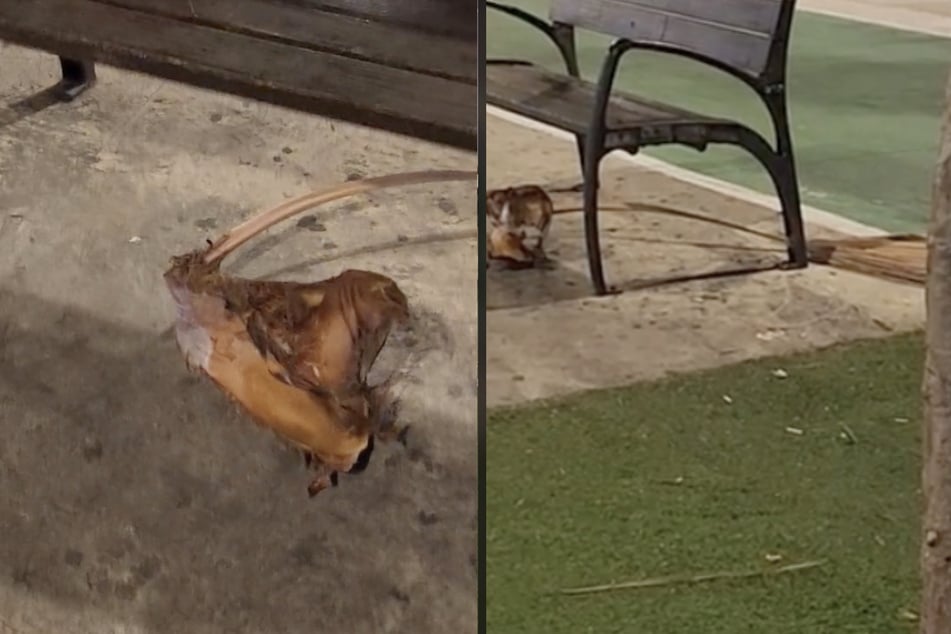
{"type": "Point", "coordinates": [580, 142]}
{"type": "Point", "coordinates": [781, 164]}
{"type": "Point", "coordinates": [78, 76]}
{"type": "Point", "coordinates": [594, 150]}
{"type": "Point", "coordinates": [591, 161]}
{"type": "Point", "coordinates": [787, 186]}
{"type": "Point", "coordinates": [782, 171]}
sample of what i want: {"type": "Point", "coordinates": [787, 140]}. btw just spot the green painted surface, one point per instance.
{"type": "Point", "coordinates": [865, 106]}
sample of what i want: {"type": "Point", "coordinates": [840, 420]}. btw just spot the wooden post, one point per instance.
{"type": "Point", "coordinates": [936, 473]}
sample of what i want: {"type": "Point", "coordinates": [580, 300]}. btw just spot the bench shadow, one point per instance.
{"type": "Point", "coordinates": [513, 288]}
{"type": "Point", "coordinates": [634, 259]}
{"type": "Point", "coordinates": [670, 280]}
{"type": "Point", "coordinates": [28, 106]}
{"type": "Point", "coordinates": [522, 289]}
{"type": "Point", "coordinates": [132, 488]}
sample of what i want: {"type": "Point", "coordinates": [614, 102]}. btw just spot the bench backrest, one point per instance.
{"type": "Point", "coordinates": [458, 18]}
{"type": "Point", "coordinates": [742, 34]}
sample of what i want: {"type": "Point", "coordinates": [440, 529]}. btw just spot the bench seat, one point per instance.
{"type": "Point", "coordinates": [380, 71]}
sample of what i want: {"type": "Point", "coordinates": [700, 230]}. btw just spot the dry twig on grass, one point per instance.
{"type": "Point", "coordinates": [689, 579]}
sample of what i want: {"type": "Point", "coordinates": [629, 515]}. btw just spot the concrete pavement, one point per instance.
{"type": "Point", "coordinates": [133, 497]}
{"type": "Point", "coordinates": [547, 336]}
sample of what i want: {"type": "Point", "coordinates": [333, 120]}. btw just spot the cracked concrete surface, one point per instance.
{"type": "Point", "coordinates": [133, 496]}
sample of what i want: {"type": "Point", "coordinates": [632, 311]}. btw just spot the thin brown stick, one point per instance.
{"type": "Point", "coordinates": [691, 243]}
{"type": "Point", "coordinates": [898, 257]}
{"type": "Point", "coordinates": [671, 211]}
{"type": "Point", "coordinates": [691, 579]}
{"type": "Point", "coordinates": [266, 219]}
{"type": "Point", "coordinates": [374, 248]}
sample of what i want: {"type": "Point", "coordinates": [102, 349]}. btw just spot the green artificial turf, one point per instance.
{"type": "Point", "coordinates": [588, 490]}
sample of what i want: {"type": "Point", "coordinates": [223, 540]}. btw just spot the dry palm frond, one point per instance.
{"type": "Point", "coordinates": [295, 356]}
{"type": "Point", "coordinates": [902, 258]}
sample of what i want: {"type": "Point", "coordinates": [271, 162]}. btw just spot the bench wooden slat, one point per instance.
{"type": "Point", "coordinates": [757, 16]}
{"type": "Point", "coordinates": [566, 102]}
{"type": "Point", "coordinates": [458, 18]}
{"type": "Point", "coordinates": [423, 106]}
{"type": "Point", "coordinates": [378, 42]}
{"type": "Point", "coordinates": [736, 32]}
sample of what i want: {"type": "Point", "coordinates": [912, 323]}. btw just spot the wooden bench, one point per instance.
{"type": "Point", "coordinates": [745, 38]}
{"type": "Point", "coordinates": [407, 67]}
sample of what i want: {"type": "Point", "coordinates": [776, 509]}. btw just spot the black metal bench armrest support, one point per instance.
{"type": "Point", "coordinates": [771, 93]}
{"type": "Point", "coordinates": [778, 162]}
{"type": "Point", "coordinates": [561, 34]}
{"type": "Point", "coordinates": [770, 86]}
{"type": "Point", "coordinates": [671, 49]}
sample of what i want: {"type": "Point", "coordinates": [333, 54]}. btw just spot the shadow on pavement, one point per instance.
{"type": "Point", "coordinates": [128, 485]}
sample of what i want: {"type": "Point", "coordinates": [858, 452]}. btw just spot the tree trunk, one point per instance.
{"type": "Point", "coordinates": [936, 473]}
